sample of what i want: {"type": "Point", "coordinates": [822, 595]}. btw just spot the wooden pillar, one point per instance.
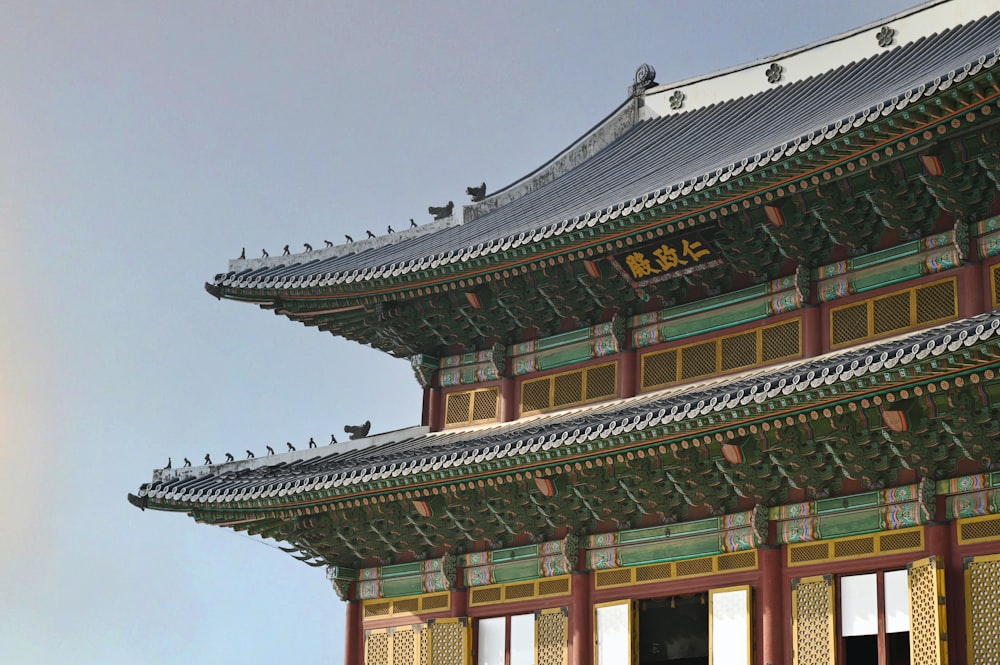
{"type": "Point", "coordinates": [974, 290]}
{"type": "Point", "coordinates": [815, 336]}
{"type": "Point", "coordinates": [354, 637]}
{"type": "Point", "coordinates": [627, 383]}
{"type": "Point", "coordinates": [435, 417]}
{"type": "Point", "coordinates": [459, 603]}
{"type": "Point", "coordinates": [508, 400]}
{"type": "Point", "coordinates": [771, 615]}
{"type": "Point", "coordinates": [581, 633]}
{"type": "Point", "coordinates": [425, 408]}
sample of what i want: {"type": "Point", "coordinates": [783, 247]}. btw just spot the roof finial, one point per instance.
{"type": "Point", "coordinates": [645, 78]}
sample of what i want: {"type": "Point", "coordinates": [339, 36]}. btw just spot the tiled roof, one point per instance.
{"type": "Point", "coordinates": [416, 451]}
{"type": "Point", "coordinates": [660, 159]}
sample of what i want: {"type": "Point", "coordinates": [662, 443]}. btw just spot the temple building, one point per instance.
{"type": "Point", "coordinates": [715, 384]}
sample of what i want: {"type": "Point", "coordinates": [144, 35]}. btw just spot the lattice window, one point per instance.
{"type": "Point", "coordinates": [768, 344]}
{"type": "Point", "coordinates": [928, 624]}
{"type": "Point", "coordinates": [654, 573]}
{"type": "Point", "coordinates": [659, 368]}
{"type": "Point", "coordinates": [482, 596]}
{"type": "Point", "coordinates": [616, 577]}
{"type": "Point", "coordinates": [936, 302]}
{"type": "Point", "coordinates": [553, 587]}
{"type": "Point", "coordinates": [812, 621]}
{"type": "Point", "coordinates": [848, 324]}
{"type": "Point", "coordinates": [437, 601]}
{"type": "Point", "coordinates": [698, 360]}
{"type": "Point", "coordinates": [739, 351]}
{"type": "Point", "coordinates": [602, 382]}
{"type": "Point", "coordinates": [551, 637]}
{"type": "Point", "coordinates": [995, 274]}
{"type": "Point", "coordinates": [738, 560]}
{"type": "Point", "coordinates": [982, 597]}
{"type": "Point", "coordinates": [519, 591]}
{"type": "Point", "coordinates": [449, 642]}
{"type": "Point", "coordinates": [701, 566]}
{"type": "Point", "coordinates": [978, 528]}
{"type": "Point", "coordinates": [535, 395]}
{"type": "Point", "coordinates": [781, 341]}
{"type": "Point", "coordinates": [853, 547]}
{"type": "Point", "coordinates": [894, 312]}
{"type": "Point", "coordinates": [377, 648]}
{"type": "Point", "coordinates": [569, 388]}
{"type": "Point", "coordinates": [406, 606]}
{"type": "Point", "coordinates": [471, 406]}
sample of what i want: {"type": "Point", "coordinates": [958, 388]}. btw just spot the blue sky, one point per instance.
{"type": "Point", "coordinates": [142, 145]}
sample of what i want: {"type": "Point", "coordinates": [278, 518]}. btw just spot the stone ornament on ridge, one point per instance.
{"type": "Point", "coordinates": [774, 73]}
{"type": "Point", "coordinates": [885, 36]}
{"type": "Point", "coordinates": [677, 100]}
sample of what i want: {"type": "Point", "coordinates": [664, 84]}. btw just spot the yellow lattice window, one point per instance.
{"type": "Point", "coordinates": [570, 388]}
{"type": "Point", "coordinates": [551, 636]}
{"type": "Point", "coordinates": [894, 312]}
{"type": "Point", "coordinates": [404, 645]}
{"type": "Point", "coordinates": [928, 623]}
{"type": "Point", "coordinates": [545, 587]}
{"type": "Point", "coordinates": [660, 572]}
{"type": "Point", "coordinates": [978, 529]}
{"type": "Point", "coordinates": [728, 353]}
{"type": "Point", "coordinates": [982, 608]}
{"type": "Point", "coordinates": [449, 642]}
{"type": "Point", "coordinates": [995, 281]}
{"type": "Point", "coordinates": [857, 547]}
{"type": "Point", "coordinates": [471, 406]}
{"type": "Point", "coordinates": [406, 605]}
{"type": "Point", "coordinates": [812, 621]}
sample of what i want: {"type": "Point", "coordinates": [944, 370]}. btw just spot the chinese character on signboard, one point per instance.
{"type": "Point", "coordinates": [663, 257]}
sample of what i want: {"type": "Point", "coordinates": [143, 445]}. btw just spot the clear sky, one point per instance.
{"type": "Point", "coordinates": [142, 145]}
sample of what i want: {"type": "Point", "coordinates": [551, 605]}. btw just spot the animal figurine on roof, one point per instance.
{"type": "Point", "coordinates": [388, 229]}
{"type": "Point", "coordinates": [358, 431]}
{"type": "Point", "coordinates": [169, 463]}
{"type": "Point", "coordinates": [249, 454]}
{"type": "Point", "coordinates": [312, 442]}
{"type": "Point", "coordinates": [187, 462]}
{"type": "Point", "coordinates": [333, 439]}
{"type": "Point", "coordinates": [370, 234]}
{"type": "Point", "coordinates": [230, 458]}
{"type": "Point", "coordinates": [243, 254]}
{"type": "Point", "coordinates": [291, 448]}
{"type": "Point", "coordinates": [308, 247]}
{"type": "Point", "coordinates": [477, 193]}
{"type": "Point", "coordinates": [413, 224]}
{"type": "Point", "coordinates": [442, 212]}
{"type": "Point", "coordinates": [328, 243]}
{"type": "Point", "coordinates": [264, 254]}
{"type": "Point", "coordinates": [208, 459]}
{"type": "Point", "coordinates": [349, 238]}
{"type": "Point", "coordinates": [285, 251]}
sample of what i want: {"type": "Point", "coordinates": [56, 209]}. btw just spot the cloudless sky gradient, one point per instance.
{"type": "Point", "coordinates": [142, 145]}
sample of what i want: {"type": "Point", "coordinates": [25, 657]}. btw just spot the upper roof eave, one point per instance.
{"type": "Point", "coordinates": [556, 208]}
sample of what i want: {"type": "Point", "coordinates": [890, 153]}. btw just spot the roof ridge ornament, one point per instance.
{"type": "Point", "coordinates": [645, 78]}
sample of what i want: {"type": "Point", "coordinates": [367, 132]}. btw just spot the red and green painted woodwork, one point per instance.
{"type": "Point", "coordinates": [392, 581]}
{"type": "Point", "coordinates": [512, 564]}
{"type": "Point", "coordinates": [684, 540]}
{"type": "Point", "coordinates": [971, 496]}
{"type": "Point", "coordinates": [755, 303]}
{"type": "Point", "coordinates": [906, 261]}
{"type": "Point", "coordinates": [869, 512]}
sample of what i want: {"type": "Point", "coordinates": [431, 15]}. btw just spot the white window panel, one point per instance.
{"type": "Point", "coordinates": [730, 626]}
{"type": "Point", "coordinates": [859, 605]}
{"type": "Point", "coordinates": [897, 602]}
{"type": "Point", "coordinates": [492, 639]}
{"type": "Point", "coordinates": [614, 638]}
{"type": "Point", "coordinates": [522, 639]}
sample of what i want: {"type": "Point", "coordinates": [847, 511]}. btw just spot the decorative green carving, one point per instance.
{"type": "Point", "coordinates": [424, 368]}
{"type": "Point", "coordinates": [847, 218]}
{"type": "Point", "coordinates": [909, 210]}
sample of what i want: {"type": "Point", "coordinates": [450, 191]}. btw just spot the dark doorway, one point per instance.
{"type": "Point", "coordinates": [674, 630]}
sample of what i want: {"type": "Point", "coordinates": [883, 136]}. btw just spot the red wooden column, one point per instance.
{"type": "Point", "coordinates": [459, 603]}
{"type": "Point", "coordinates": [627, 382]}
{"type": "Point", "coordinates": [354, 638]}
{"type": "Point", "coordinates": [435, 417]}
{"type": "Point", "coordinates": [508, 400]}
{"type": "Point", "coordinates": [769, 606]}
{"type": "Point", "coordinates": [581, 634]}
